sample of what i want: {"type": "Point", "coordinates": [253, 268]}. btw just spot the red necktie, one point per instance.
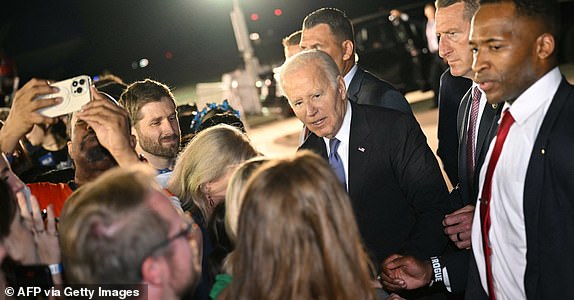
{"type": "Point", "coordinates": [507, 121]}
{"type": "Point", "coordinates": [471, 133]}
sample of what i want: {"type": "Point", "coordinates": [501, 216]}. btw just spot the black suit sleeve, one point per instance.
{"type": "Point", "coordinates": [423, 185]}
{"type": "Point", "coordinates": [456, 264]}
{"type": "Point", "coordinates": [474, 288]}
{"type": "Point", "coordinates": [451, 91]}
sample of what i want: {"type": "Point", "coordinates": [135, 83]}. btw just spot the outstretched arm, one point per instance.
{"type": "Point", "coordinates": [110, 122]}
{"type": "Point", "coordinates": [24, 113]}
{"type": "Point", "coordinates": [405, 272]}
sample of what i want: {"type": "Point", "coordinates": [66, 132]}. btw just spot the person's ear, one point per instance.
{"type": "Point", "coordinates": [133, 131]}
{"type": "Point", "coordinates": [348, 48]}
{"type": "Point", "coordinates": [152, 269]}
{"type": "Point", "coordinates": [70, 149]}
{"type": "Point", "coordinates": [133, 141]}
{"type": "Point", "coordinates": [545, 45]}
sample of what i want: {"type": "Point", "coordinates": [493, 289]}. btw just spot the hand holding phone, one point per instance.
{"type": "Point", "coordinates": [75, 92]}
{"type": "Point", "coordinates": [24, 112]}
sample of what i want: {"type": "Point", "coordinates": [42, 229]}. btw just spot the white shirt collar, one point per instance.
{"type": "Point", "coordinates": [349, 76]}
{"type": "Point", "coordinates": [345, 131]}
{"type": "Point", "coordinates": [530, 100]}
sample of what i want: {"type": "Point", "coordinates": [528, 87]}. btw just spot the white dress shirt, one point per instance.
{"type": "Point", "coordinates": [349, 76]}
{"type": "Point", "coordinates": [507, 231]}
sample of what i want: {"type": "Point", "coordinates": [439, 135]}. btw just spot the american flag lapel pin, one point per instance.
{"type": "Point", "coordinates": [361, 149]}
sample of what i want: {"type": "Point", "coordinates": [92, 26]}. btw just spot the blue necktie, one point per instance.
{"type": "Point", "coordinates": [335, 161]}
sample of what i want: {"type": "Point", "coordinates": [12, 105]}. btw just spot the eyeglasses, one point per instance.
{"type": "Point", "coordinates": [185, 232]}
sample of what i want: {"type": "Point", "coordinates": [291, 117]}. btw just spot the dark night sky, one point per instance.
{"type": "Point", "coordinates": [59, 39]}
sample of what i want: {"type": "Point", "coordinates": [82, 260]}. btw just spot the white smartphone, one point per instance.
{"type": "Point", "coordinates": [75, 92]}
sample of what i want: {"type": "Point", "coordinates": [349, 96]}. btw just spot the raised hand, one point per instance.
{"type": "Point", "coordinates": [24, 112]}
{"type": "Point", "coordinates": [110, 122]}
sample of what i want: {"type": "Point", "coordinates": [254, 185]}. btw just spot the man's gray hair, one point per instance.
{"type": "Point", "coordinates": [470, 6]}
{"type": "Point", "coordinates": [320, 59]}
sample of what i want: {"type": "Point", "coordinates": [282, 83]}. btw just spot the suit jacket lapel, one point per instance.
{"type": "Point", "coordinates": [461, 124]}
{"type": "Point", "coordinates": [355, 85]}
{"type": "Point", "coordinates": [488, 123]}
{"type": "Point", "coordinates": [462, 116]}
{"type": "Point", "coordinates": [359, 149]}
{"type": "Point", "coordinates": [315, 144]}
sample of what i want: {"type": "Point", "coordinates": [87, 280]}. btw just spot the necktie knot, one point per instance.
{"type": "Point", "coordinates": [333, 145]}
{"type": "Point", "coordinates": [507, 121]}
{"type": "Point", "coordinates": [476, 93]}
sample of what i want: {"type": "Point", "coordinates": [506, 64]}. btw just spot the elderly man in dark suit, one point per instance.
{"type": "Point", "coordinates": [381, 155]}
{"type": "Point", "coordinates": [524, 222]}
{"type": "Point", "coordinates": [329, 30]}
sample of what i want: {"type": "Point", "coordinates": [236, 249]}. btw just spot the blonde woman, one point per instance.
{"type": "Point", "coordinates": [200, 177]}
{"type": "Point", "coordinates": [203, 169]}
{"type": "Point", "coordinates": [233, 201]}
{"type": "Point", "coordinates": [233, 198]}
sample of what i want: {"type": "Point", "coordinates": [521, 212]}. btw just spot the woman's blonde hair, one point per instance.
{"type": "Point", "coordinates": [206, 158]}
{"type": "Point", "coordinates": [233, 198]}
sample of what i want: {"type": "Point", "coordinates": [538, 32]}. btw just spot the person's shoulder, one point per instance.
{"type": "Point", "coordinates": [385, 125]}
{"type": "Point", "coordinates": [563, 102]}
{"type": "Point", "coordinates": [49, 187]}
{"type": "Point", "coordinates": [454, 82]}
{"type": "Point", "coordinates": [378, 114]}
{"type": "Point", "coordinates": [312, 142]}
{"type": "Point", "coordinates": [568, 87]}
{"type": "Point", "coordinates": [374, 79]}
{"type": "Point", "coordinates": [375, 109]}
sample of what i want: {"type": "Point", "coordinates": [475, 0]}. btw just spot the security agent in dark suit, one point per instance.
{"type": "Point", "coordinates": [452, 89]}
{"type": "Point", "coordinates": [329, 30]}
{"type": "Point", "coordinates": [453, 26]}
{"type": "Point", "coordinates": [531, 203]}
{"type": "Point", "coordinates": [394, 181]}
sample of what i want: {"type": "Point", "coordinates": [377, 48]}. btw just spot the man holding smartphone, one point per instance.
{"type": "Point", "coordinates": [99, 133]}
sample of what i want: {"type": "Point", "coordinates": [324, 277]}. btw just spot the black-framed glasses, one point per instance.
{"type": "Point", "coordinates": [185, 232]}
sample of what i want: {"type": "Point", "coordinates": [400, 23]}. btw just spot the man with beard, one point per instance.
{"type": "Point", "coordinates": [100, 138]}
{"type": "Point", "coordinates": [522, 230]}
{"type": "Point", "coordinates": [122, 230]}
{"type": "Point", "coordinates": [152, 108]}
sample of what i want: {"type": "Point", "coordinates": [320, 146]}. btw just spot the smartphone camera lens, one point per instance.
{"type": "Point", "coordinates": [75, 83]}
{"type": "Point", "coordinates": [79, 90]}
{"type": "Point", "coordinates": [82, 81]}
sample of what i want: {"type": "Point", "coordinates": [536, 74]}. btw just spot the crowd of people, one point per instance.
{"type": "Point", "coordinates": [115, 194]}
